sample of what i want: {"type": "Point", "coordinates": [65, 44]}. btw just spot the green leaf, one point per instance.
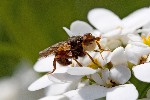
{"type": "Point", "coordinates": [142, 87]}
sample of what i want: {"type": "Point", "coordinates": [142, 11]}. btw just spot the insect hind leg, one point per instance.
{"type": "Point", "coordinates": [54, 65]}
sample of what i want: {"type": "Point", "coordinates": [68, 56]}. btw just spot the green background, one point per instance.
{"type": "Point", "coordinates": [29, 26]}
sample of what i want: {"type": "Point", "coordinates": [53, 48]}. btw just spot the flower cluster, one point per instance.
{"type": "Point", "coordinates": [126, 44]}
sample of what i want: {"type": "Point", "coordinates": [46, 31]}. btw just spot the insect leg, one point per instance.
{"type": "Point", "coordinates": [100, 48]}
{"type": "Point", "coordinates": [77, 62]}
{"type": "Point", "coordinates": [54, 65]}
{"type": "Point", "coordinates": [91, 58]}
{"type": "Point", "coordinates": [96, 51]}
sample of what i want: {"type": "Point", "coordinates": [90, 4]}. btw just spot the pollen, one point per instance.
{"type": "Point", "coordinates": [146, 40]}
{"type": "Point", "coordinates": [93, 65]}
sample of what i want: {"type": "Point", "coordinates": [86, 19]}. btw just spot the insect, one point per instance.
{"type": "Point", "coordinates": [74, 47]}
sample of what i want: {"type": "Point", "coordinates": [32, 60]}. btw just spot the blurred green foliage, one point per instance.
{"type": "Point", "coordinates": [28, 26]}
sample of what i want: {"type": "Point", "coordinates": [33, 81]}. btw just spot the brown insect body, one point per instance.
{"type": "Point", "coordinates": [72, 48]}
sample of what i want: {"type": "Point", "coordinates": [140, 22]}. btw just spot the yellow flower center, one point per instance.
{"type": "Point", "coordinates": [146, 40]}
{"type": "Point", "coordinates": [93, 65]}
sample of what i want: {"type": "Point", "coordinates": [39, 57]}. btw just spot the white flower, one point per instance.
{"type": "Point", "coordinates": [46, 64]}
{"type": "Point", "coordinates": [108, 73]}
{"type": "Point", "coordinates": [134, 51]}
{"type": "Point", "coordinates": [141, 72]}
{"type": "Point", "coordinates": [105, 20]}
{"type": "Point", "coordinates": [59, 77]}
{"type": "Point", "coordinates": [55, 78]}
{"type": "Point", "coordinates": [80, 28]}
{"type": "Point", "coordinates": [110, 81]}
{"type": "Point", "coordinates": [68, 87]}
{"type": "Point", "coordinates": [92, 92]}
{"type": "Point", "coordinates": [117, 30]}
{"type": "Point", "coordinates": [113, 58]}
{"type": "Point", "coordinates": [138, 54]}
{"type": "Point", "coordinates": [15, 87]}
{"type": "Point", "coordinates": [145, 30]}
{"type": "Point", "coordinates": [9, 89]}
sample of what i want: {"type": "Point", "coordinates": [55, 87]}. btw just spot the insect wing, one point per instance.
{"type": "Point", "coordinates": [51, 49]}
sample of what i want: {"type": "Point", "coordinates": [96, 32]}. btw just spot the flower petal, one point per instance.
{"type": "Point", "coordinates": [80, 28]}
{"type": "Point", "coordinates": [83, 84]}
{"type": "Point", "coordinates": [40, 83]}
{"type": "Point", "coordinates": [120, 74]}
{"type": "Point", "coordinates": [113, 38]}
{"type": "Point", "coordinates": [105, 55]}
{"type": "Point", "coordinates": [114, 34]}
{"type": "Point", "coordinates": [68, 32]}
{"type": "Point", "coordinates": [105, 75]}
{"type": "Point", "coordinates": [144, 31]}
{"type": "Point", "coordinates": [113, 44]}
{"type": "Point", "coordinates": [91, 92]}
{"type": "Point", "coordinates": [134, 38]}
{"type": "Point", "coordinates": [46, 65]}
{"type": "Point", "coordinates": [135, 51]}
{"type": "Point", "coordinates": [142, 72]}
{"type": "Point", "coordinates": [47, 80]}
{"type": "Point", "coordinates": [122, 92]}
{"type": "Point", "coordinates": [137, 19]}
{"type": "Point", "coordinates": [103, 19]}
{"type": "Point", "coordinates": [9, 88]}
{"type": "Point", "coordinates": [63, 77]}
{"type": "Point", "coordinates": [81, 71]}
{"type": "Point", "coordinates": [147, 26]}
{"type": "Point", "coordinates": [86, 60]}
{"type": "Point", "coordinates": [96, 77]}
{"type": "Point", "coordinates": [96, 33]}
{"type": "Point", "coordinates": [57, 89]}
{"type": "Point", "coordinates": [118, 56]}
{"type": "Point", "coordinates": [100, 59]}
{"type": "Point", "coordinates": [58, 97]}
{"type": "Point", "coordinates": [139, 44]}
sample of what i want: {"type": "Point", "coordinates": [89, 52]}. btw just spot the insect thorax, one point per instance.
{"type": "Point", "coordinates": [76, 46]}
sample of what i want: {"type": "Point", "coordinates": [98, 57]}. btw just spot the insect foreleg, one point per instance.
{"type": "Point", "coordinates": [91, 58]}
{"type": "Point", "coordinates": [77, 62]}
{"type": "Point", "coordinates": [100, 48]}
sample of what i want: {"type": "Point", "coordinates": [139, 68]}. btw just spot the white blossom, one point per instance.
{"type": "Point", "coordinates": [80, 28]}
{"type": "Point", "coordinates": [108, 73]}
{"type": "Point", "coordinates": [15, 87]}
{"type": "Point", "coordinates": [118, 32]}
